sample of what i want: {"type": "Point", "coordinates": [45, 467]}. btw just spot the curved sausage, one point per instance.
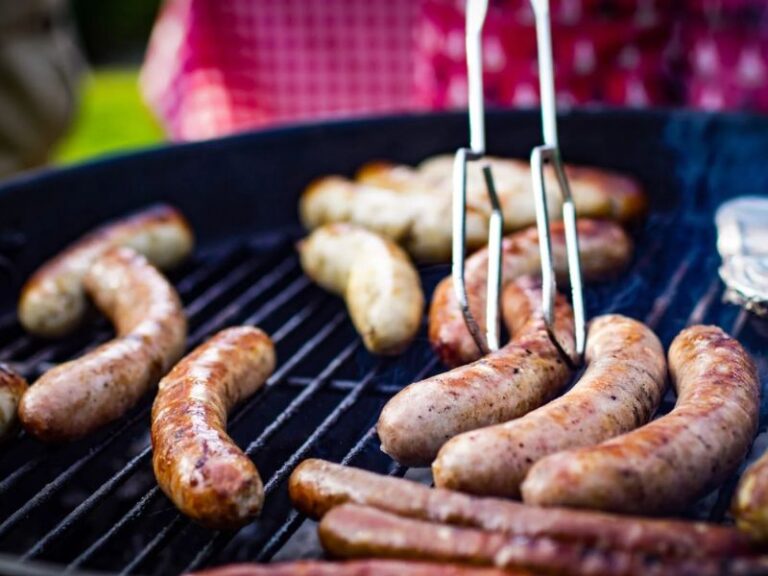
{"type": "Point", "coordinates": [676, 459]}
{"type": "Point", "coordinates": [196, 464]}
{"type": "Point", "coordinates": [355, 568]}
{"type": "Point", "coordinates": [375, 277]}
{"type": "Point", "coordinates": [605, 251]}
{"type": "Point", "coordinates": [351, 531]}
{"type": "Point", "coordinates": [77, 397]}
{"type": "Point", "coordinates": [12, 387]}
{"type": "Point", "coordinates": [620, 390]}
{"type": "Point", "coordinates": [53, 300]}
{"type": "Point", "coordinates": [412, 205]}
{"type": "Point", "coordinates": [750, 501]}
{"type": "Point", "coordinates": [503, 385]}
{"type": "Point", "coordinates": [317, 486]}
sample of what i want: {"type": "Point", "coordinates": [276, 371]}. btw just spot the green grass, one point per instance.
{"type": "Point", "coordinates": [112, 118]}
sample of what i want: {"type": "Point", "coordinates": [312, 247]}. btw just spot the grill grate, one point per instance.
{"type": "Point", "coordinates": [94, 504]}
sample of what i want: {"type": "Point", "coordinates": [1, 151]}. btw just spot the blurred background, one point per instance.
{"type": "Point", "coordinates": [81, 78]}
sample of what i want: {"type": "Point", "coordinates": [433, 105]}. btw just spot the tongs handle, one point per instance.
{"type": "Point", "coordinates": [550, 152]}
{"type": "Point", "coordinates": [476, 12]}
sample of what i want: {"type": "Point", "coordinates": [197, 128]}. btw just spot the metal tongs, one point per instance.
{"type": "Point", "coordinates": [549, 152]}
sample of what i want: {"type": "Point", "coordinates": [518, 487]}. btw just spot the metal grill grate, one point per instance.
{"type": "Point", "coordinates": [94, 504]}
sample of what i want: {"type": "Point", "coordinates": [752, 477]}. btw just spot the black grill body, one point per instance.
{"type": "Point", "coordinates": [94, 505]}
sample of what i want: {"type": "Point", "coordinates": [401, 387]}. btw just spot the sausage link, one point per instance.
{"type": "Point", "coordinates": [351, 531]}
{"type": "Point", "coordinates": [196, 463]}
{"type": "Point", "coordinates": [316, 486]}
{"type": "Point", "coordinates": [53, 300]}
{"type": "Point", "coordinates": [620, 390]}
{"type": "Point", "coordinates": [375, 277]}
{"type": "Point", "coordinates": [676, 459]}
{"type": "Point", "coordinates": [77, 397]}
{"type": "Point", "coordinates": [12, 387]}
{"type": "Point", "coordinates": [503, 385]}
{"type": "Point", "coordinates": [605, 250]}
{"type": "Point", "coordinates": [750, 501]}
{"type": "Point", "coordinates": [356, 568]}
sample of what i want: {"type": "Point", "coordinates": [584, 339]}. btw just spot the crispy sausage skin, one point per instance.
{"type": "Point", "coordinates": [676, 459]}
{"type": "Point", "coordinates": [750, 501]}
{"type": "Point", "coordinates": [53, 301]}
{"type": "Point", "coordinates": [351, 531]}
{"type": "Point", "coordinates": [620, 390]}
{"type": "Point", "coordinates": [605, 251]}
{"type": "Point", "coordinates": [412, 205]}
{"type": "Point", "coordinates": [316, 486]}
{"type": "Point", "coordinates": [77, 397]}
{"type": "Point", "coordinates": [503, 385]}
{"type": "Point", "coordinates": [196, 464]}
{"type": "Point", "coordinates": [375, 277]}
{"type": "Point", "coordinates": [356, 568]}
{"type": "Point", "coordinates": [12, 387]}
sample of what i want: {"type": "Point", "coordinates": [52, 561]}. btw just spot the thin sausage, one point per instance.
{"type": "Point", "coordinates": [620, 390]}
{"type": "Point", "coordinates": [316, 486]}
{"type": "Point", "coordinates": [12, 387]}
{"type": "Point", "coordinates": [77, 397]}
{"type": "Point", "coordinates": [377, 280]}
{"type": "Point", "coordinates": [351, 531]}
{"type": "Point", "coordinates": [356, 568]}
{"type": "Point", "coordinates": [605, 251]}
{"type": "Point", "coordinates": [503, 385]}
{"type": "Point", "coordinates": [196, 463]}
{"type": "Point", "coordinates": [53, 300]}
{"type": "Point", "coordinates": [750, 501]}
{"type": "Point", "coordinates": [676, 459]}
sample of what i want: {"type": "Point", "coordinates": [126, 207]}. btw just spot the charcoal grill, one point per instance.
{"type": "Point", "coordinates": [94, 505]}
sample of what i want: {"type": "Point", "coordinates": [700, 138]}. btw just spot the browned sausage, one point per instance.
{"type": "Point", "coordinates": [750, 501]}
{"type": "Point", "coordinates": [605, 251]}
{"type": "Point", "coordinates": [356, 568]}
{"type": "Point", "coordinates": [53, 301]}
{"type": "Point", "coordinates": [196, 464]}
{"type": "Point", "coordinates": [12, 387]}
{"type": "Point", "coordinates": [77, 397]}
{"type": "Point", "coordinates": [316, 486]}
{"type": "Point", "coordinates": [675, 459]}
{"type": "Point", "coordinates": [620, 390]}
{"type": "Point", "coordinates": [506, 384]}
{"type": "Point", "coordinates": [351, 531]}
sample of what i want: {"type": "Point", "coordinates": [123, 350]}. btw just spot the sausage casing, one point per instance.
{"type": "Point", "coordinates": [750, 501]}
{"type": "Point", "coordinates": [53, 300]}
{"type": "Point", "coordinates": [77, 397]}
{"type": "Point", "coordinates": [12, 388]}
{"type": "Point", "coordinates": [676, 459]}
{"type": "Point", "coordinates": [356, 568]}
{"type": "Point", "coordinates": [377, 280]}
{"type": "Point", "coordinates": [620, 390]}
{"type": "Point", "coordinates": [503, 385]}
{"type": "Point", "coordinates": [316, 486]}
{"type": "Point", "coordinates": [196, 463]}
{"type": "Point", "coordinates": [351, 531]}
{"type": "Point", "coordinates": [605, 251]}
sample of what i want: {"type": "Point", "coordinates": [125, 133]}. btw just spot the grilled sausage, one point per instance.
{"type": "Point", "coordinates": [750, 501]}
{"type": "Point", "coordinates": [379, 283]}
{"type": "Point", "coordinates": [412, 206]}
{"type": "Point", "coordinates": [351, 531]}
{"type": "Point", "coordinates": [676, 459]}
{"type": "Point", "coordinates": [505, 384]}
{"type": "Point", "coordinates": [605, 250]}
{"type": "Point", "coordinates": [316, 486]}
{"type": "Point", "coordinates": [356, 568]}
{"type": "Point", "coordinates": [620, 390]}
{"type": "Point", "coordinates": [196, 464]}
{"type": "Point", "coordinates": [53, 301]}
{"type": "Point", "coordinates": [77, 397]}
{"type": "Point", "coordinates": [12, 387]}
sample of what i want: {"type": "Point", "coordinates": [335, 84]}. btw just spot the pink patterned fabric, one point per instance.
{"type": "Point", "coordinates": [215, 67]}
